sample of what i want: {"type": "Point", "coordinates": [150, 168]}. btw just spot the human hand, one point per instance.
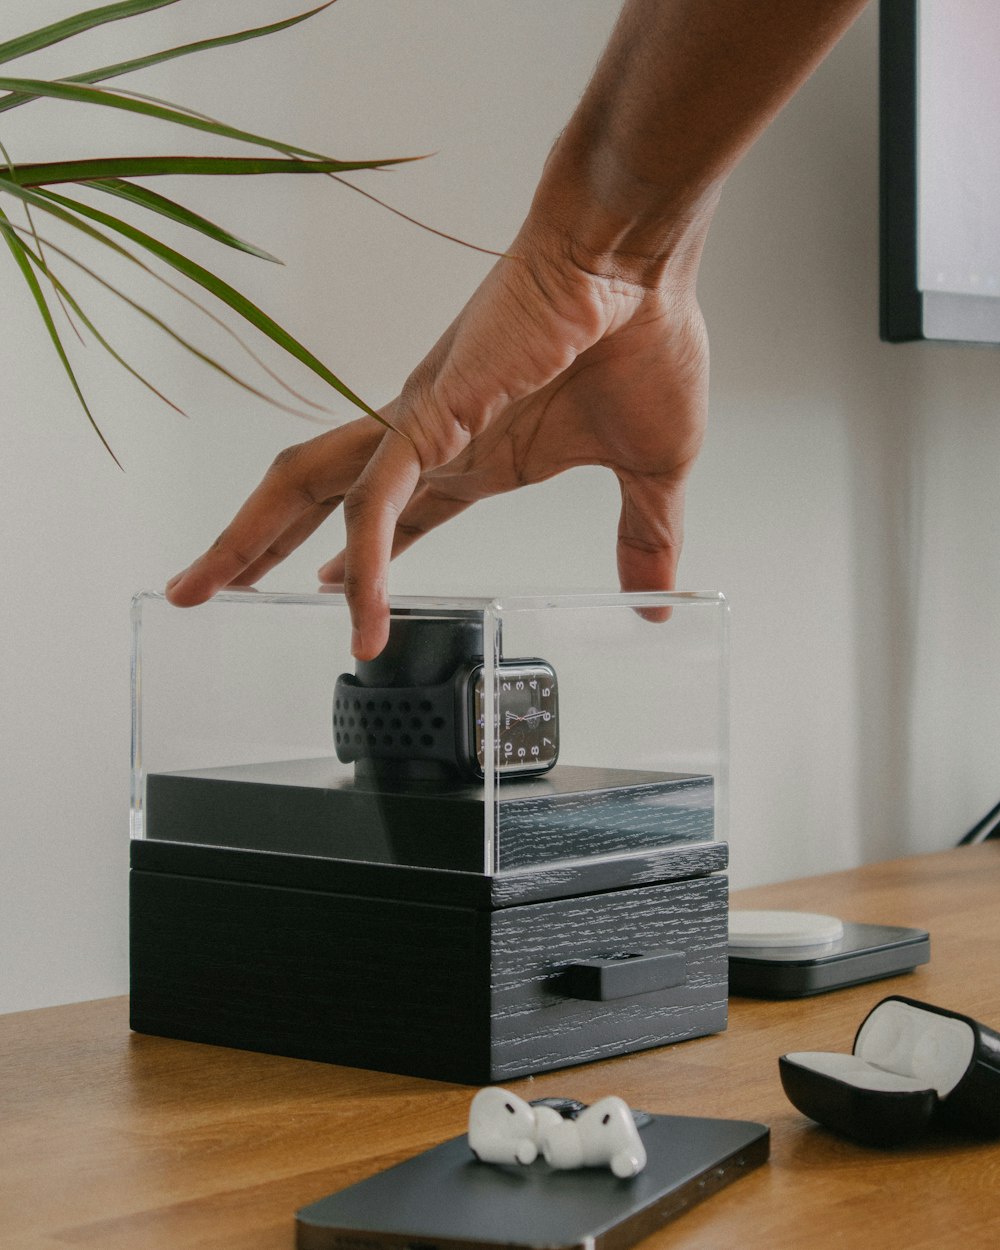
{"type": "Point", "coordinates": [585, 345]}
{"type": "Point", "coordinates": [552, 364]}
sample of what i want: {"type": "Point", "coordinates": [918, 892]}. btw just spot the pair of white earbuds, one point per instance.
{"type": "Point", "coordinates": [505, 1129]}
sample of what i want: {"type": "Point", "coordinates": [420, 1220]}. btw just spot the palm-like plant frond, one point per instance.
{"type": "Point", "coordinates": [29, 185]}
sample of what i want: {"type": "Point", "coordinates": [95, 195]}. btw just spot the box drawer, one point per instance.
{"type": "Point", "coordinates": [673, 936]}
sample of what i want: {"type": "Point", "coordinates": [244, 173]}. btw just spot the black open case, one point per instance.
{"type": "Point", "coordinates": [914, 1069]}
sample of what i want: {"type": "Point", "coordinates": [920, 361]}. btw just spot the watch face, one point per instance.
{"type": "Point", "coordinates": [526, 735]}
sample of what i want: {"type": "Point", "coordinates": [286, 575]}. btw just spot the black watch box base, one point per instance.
{"type": "Point", "coordinates": [263, 916]}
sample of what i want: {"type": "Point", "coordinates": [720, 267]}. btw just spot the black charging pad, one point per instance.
{"type": "Point", "coordinates": [862, 952]}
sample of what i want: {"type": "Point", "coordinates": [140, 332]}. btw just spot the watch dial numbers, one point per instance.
{"type": "Point", "coordinates": [525, 729]}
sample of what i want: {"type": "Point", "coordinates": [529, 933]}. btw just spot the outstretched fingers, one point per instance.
{"type": "Point", "coordinates": [291, 538]}
{"type": "Point", "coordinates": [299, 491]}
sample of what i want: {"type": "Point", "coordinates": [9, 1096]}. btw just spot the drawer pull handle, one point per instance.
{"type": "Point", "coordinates": [620, 976]}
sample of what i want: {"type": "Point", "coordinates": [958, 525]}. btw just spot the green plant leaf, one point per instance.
{"type": "Point", "coordinates": [222, 291]}
{"type": "Point", "coordinates": [162, 325]}
{"type": "Point", "coordinates": [226, 329]}
{"type": "Point", "coordinates": [157, 203]}
{"type": "Point", "coordinates": [216, 320]}
{"type": "Point", "coordinates": [19, 253]}
{"type": "Point", "coordinates": [135, 104]}
{"type": "Point", "coordinates": [168, 54]}
{"type": "Point", "coordinates": [70, 211]}
{"type": "Point", "coordinates": [31, 229]}
{"type": "Point", "coordinates": [42, 266]}
{"type": "Point", "coordinates": [45, 173]}
{"type": "Point", "coordinates": [45, 36]}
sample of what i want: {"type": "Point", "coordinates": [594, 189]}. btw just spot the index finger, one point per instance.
{"type": "Point", "coordinates": [308, 476]}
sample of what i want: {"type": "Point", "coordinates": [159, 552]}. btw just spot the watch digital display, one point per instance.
{"type": "Point", "coordinates": [525, 734]}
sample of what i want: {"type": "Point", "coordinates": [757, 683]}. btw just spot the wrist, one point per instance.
{"type": "Point", "coordinates": [617, 223]}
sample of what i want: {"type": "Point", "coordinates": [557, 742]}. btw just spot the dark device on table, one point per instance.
{"type": "Point", "coordinates": [865, 952]}
{"type": "Point", "coordinates": [445, 1197]}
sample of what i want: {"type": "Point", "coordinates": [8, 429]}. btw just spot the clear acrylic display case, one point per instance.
{"type": "Point", "coordinates": [618, 700]}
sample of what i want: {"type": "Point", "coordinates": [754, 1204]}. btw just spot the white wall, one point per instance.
{"type": "Point", "coordinates": [845, 500]}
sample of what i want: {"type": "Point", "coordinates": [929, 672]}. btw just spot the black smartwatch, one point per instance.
{"type": "Point", "coordinates": [419, 710]}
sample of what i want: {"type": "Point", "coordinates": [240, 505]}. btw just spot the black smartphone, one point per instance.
{"type": "Point", "coordinates": [446, 1198]}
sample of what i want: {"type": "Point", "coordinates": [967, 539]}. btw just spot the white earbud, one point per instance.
{"type": "Point", "coordinates": [603, 1133]}
{"type": "Point", "coordinates": [504, 1128]}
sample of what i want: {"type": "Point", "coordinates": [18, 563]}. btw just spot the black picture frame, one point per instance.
{"type": "Point", "coordinates": [906, 312]}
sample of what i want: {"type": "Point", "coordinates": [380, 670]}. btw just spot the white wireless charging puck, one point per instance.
{"type": "Point", "coordinates": [783, 928]}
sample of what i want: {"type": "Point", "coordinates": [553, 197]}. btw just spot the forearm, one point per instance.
{"type": "Point", "coordinates": [681, 92]}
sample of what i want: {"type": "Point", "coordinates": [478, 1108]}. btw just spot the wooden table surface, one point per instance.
{"type": "Point", "coordinates": [113, 1141]}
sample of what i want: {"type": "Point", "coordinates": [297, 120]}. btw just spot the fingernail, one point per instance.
{"type": "Point", "coordinates": [175, 579]}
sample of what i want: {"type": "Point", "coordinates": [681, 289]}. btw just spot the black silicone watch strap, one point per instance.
{"type": "Point", "coordinates": [399, 722]}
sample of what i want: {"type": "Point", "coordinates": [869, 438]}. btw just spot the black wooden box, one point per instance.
{"type": "Point", "coordinates": [278, 908]}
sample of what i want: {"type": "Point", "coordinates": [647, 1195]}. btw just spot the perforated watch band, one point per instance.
{"type": "Point", "coordinates": [401, 722]}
